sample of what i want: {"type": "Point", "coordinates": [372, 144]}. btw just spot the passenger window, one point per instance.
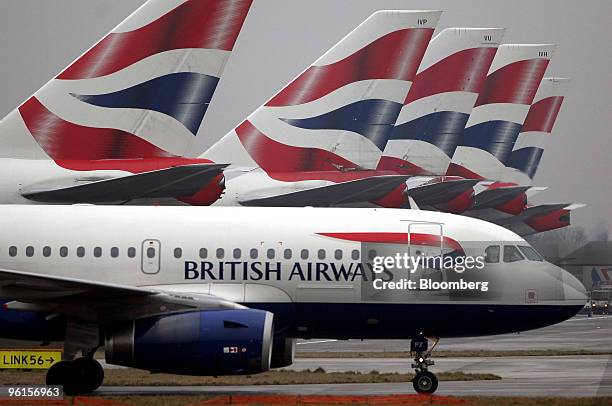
{"type": "Point", "coordinates": [29, 251]}
{"type": "Point", "coordinates": [492, 254]}
{"type": "Point", "coordinates": [80, 251]}
{"type": "Point", "coordinates": [304, 254]}
{"type": "Point", "coordinates": [178, 253]}
{"type": "Point", "coordinates": [13, 251]}
{"type": "Point", "coordinates": [114, 252]}
{"type": "Point", "coordinates": [150, 252]}
{"type": "Point", "coordinates": [254, 253]}
{"type": "Point", "coordinates": [203, 253]}
{"type": "Point", "coordinates": [46, 252]}
{"type": "Point", "coordinates": [531, 253]}
{"type": "Point", "coordinates": [512, 254]}
{"type": "Point", "coordinates": [287, 254]}
{"type": "Point", "coordinates": [271, 254]}
{"type": "Point", "coordinates": [237, 253]}
{"type": "Point", "coordinates": [98, 252]}
{"type": "Point", "coordinates": [355, 255]}
{"type": "Point", "coordinates": [220, 253]}
{"type": "Point", "coordinates": [131, 252]}
{"type": "Point", "coordinates": [321, 254]}
{"type": "Point", "coordinates": [63, 252]}
{"type": "Point", "coordinates": [338, 254]}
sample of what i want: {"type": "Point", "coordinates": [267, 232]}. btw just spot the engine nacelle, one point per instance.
{"type": "Point", "coordinates": [213, 343]}
{"type": "Point", "coordinates": [283, 352]}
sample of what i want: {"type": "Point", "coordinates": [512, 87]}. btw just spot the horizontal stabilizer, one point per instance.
{"type": "Point", "coordinates": [179, 181]}
{"type": "Point", "coordinates": [355, 191]}
{"type": "Point", "coordinates": [535, 211]}
{"type": "Point", "coordinates": [496, 197]}
{"type": "Point", "coordinates": [440, 192]}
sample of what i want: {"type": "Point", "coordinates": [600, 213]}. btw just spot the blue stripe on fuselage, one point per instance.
{"type": "Point", "coordinates": [374, 119]}
{"type": "Point", "coordinates": [441, 129]}
{"type": "Point", "coordinates": [183, 96]}
{"type": "Point", "coordinates": [356, 320]}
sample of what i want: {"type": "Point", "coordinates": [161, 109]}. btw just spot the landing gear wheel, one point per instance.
{"type": "Point", "coordinates": [63, 374]}
{"type": "Point", "coordinates": [425, 382]}
{"type": "Point", "coordinates": [89, 373]}
{"type": "Point", "coordinates": [59, 373]}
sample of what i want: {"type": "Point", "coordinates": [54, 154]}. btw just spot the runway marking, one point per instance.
{"type": "Point", "coordinates": [317, 342]}
{"type": "Point", "coordinates": [587, 318]}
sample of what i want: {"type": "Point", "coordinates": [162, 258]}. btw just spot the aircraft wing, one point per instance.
{"type": "Point", "coordinates": [96, 301]}
{"type": "Point", "coordinates": [430, 194]}
{"type": "Point", "coordinates": [355, 191]}
{"type": "Point", "coordinates": [174, 182]}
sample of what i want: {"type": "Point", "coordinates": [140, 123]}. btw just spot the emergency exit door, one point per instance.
{"type": "Point", "coordinates": [151, 256]}
{"type": "Point", "coordinates": [425, 240]}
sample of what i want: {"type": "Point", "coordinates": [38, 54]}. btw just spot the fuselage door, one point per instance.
{"type": "Point", "coordinates": [425, 240]}
{"type": "Point", "coordinates": [151, 256]}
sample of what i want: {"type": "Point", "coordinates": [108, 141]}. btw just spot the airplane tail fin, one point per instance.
{"type": "Point", "coordinates": [337, 113]}
{"type": "Point", "coordinates": [142, 91]}
{"type": "Point", "coordinates": [439, 103]}
{"type": "Point", "coordinates": [500, 111]}
{"type": "Point", "coordinates": [535, 134]}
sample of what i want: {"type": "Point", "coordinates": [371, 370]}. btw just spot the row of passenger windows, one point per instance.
{"type": "Point", "coordinates": [271, 253]}
{"type": "Point", "coordinates": [63, 252]}
{"type": "Point", "coordinates": [151, 252]}
{"type": "Point", "coordinates": [512, 253]}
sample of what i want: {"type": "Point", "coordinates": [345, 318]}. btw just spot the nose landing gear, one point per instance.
{"type": "Point", "coordinates": [424, 381]}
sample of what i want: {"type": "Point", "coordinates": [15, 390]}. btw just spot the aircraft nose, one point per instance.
{"type": "Point", "coordinates": [574, 291]}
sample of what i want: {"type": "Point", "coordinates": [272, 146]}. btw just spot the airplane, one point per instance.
{"type": "Point", "coordinates": [511, 208]}
{"type": "Point", "coordinates": [117, 124]}
{"type": "Point", "coordinates": [317, 141]}
{"type": "Point", "coordinates": [425, 135]}
{"type": "Point", "coordinates": [226, 290]}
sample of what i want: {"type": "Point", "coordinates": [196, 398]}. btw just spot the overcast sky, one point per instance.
{"type": "Point", "coordinates": [282, 37]}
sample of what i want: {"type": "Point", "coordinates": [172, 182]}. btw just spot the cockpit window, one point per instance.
{"type": "Point", "coordinates": [512, 254]}
{"type": "Point", "coordinates": [531, 253]}
{"type": "Point", "coordinates": [492, 254]}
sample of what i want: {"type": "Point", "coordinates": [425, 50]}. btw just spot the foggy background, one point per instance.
{"type": "Point", "coordinates": [280, 38]}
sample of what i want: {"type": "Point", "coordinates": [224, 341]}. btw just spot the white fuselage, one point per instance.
{"type": "Point", "coordinates": [290, 260]}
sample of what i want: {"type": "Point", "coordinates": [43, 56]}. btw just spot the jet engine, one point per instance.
{"type": "Point", "coordinates": [213, 343]}
{"type": "Point", "coordinates": [283, 352]}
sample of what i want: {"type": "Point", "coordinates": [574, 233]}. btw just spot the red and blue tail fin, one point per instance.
{"type": "Point", "coordinates": [500, 111]}
{"type": "Point", "coordinates": [339, 112]}
{"type": "Point", "coordinates": [536, 132]}
{"type": "Point", "coordinates": [140, 92]}
{"type": "Point", "coordinates": [439, 103]}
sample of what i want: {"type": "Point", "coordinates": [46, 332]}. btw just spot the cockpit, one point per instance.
{"type": "Point", "coordinates": [511, 253]}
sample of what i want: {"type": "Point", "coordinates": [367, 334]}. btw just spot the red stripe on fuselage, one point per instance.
{"type": "Point", "coordinates": [464, 71]}
{"type": "Point", "coordinates": [516, 83]}
{"type": "Point", "coordinates": [400, 166]}
{"type": "Point", "coordinates": [128, 165]}
{"type": "Point", "coordinates": [395, 238]}
{"type": "Point", "coordinates": [193, 24]}
{"type": "Point", "coordinates": [394, 56]}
